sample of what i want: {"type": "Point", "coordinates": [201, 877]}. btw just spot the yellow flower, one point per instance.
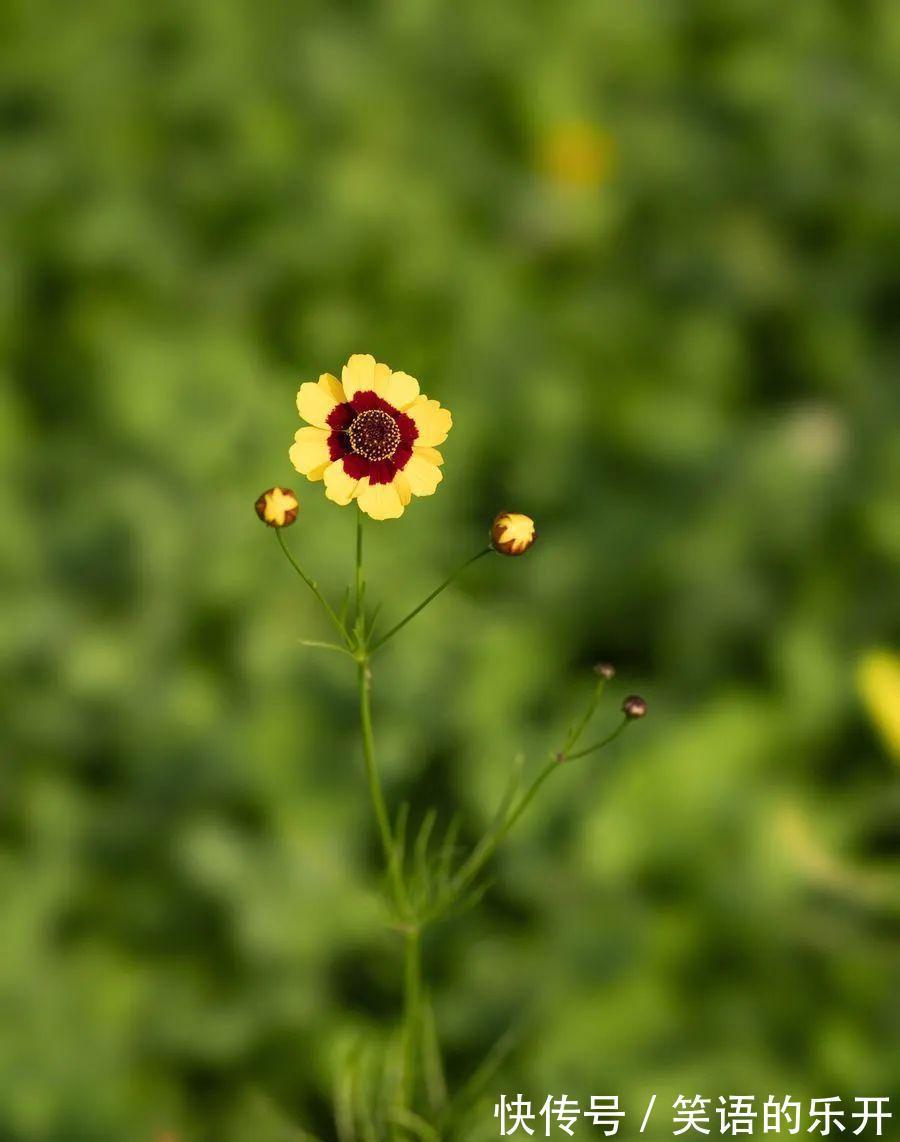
{"type": "Point", "coordinates": [373, 437]}
{"type": "Point", "coordinates": [878, 681]}
{"type": "Point", "coordinates": [576, 154]}
{"type": "Point", "coordinates": [513, 533]}
{"type": "Point", "coordinates": [277, 507]}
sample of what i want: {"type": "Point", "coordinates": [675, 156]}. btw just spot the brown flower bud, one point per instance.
{"type": "Point", "coordinates": [512, 533]}
{"type": "Point", "coordinates": [605, 670]}
{"type": "Point", "coordinates": [277, 507]}
{"type": "Point", "coordinates": [634, 706]}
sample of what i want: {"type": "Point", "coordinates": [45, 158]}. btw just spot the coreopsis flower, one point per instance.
{"type": "Point", "coordinates": [878, 680]}
{"type": "Point", "coordinates": [513, 533]}
{"type": "Point", "coordinates": [277, 507]}
{"type": "Point", "coordinates": [373, 437]}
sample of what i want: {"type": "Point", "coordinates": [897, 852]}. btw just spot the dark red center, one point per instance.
{"type": "Point", "coordinates": [374, 434]}
{"type": "Point", "coordinates": [373, 439]}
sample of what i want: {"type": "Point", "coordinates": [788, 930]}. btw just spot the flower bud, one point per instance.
{"type": "Point", "coordinates": [512, 533]}
{"type": "Point", "coordinates": [634, 706]}
{"type": "Point", "coordinates": [277, 507]}
{"type": "Point", "coordinates": [605, 670]}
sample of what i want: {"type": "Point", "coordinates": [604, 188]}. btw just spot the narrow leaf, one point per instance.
{"type": "Point", "coordinates": [416, 1125]}
{"type": "Point", "coordinates": [421, 852]}
{"type": "Point", "coordinates": [448, 851]}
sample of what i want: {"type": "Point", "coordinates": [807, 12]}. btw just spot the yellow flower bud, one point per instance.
{"type": "Point", "coordinates": [512, 533]}
{"type": "Point", "coordinates": [277, 507]}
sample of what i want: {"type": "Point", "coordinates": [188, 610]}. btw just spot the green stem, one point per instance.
{"type": "Point", "coordinates": [312, 586]}
{"type": "Point", "coordinates": [581, 725]}
{"type": "Point", "coordinates": [434, 594]}
{"type": "Point", "coordinates": [489, 845]}
{"type": "Point", "coordinates": [393, 858]}
{"type": "Point", "coordinates": [360, 617]}
{"type": "Point", "coordinates": [412, 997]}
{"type": "Point", "coordinates": [600, 744]}
{"type": "Point", "coordinates": [392, 865]}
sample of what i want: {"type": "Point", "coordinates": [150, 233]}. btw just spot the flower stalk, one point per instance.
{"type": "Point", "coordinates": [430, 598]}
{"type": "Point", "coordinates": [313, 586]}
{"type": "Point", "coordinates": [412, 998]}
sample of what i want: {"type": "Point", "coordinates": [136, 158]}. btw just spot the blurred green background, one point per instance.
{"type": "Point", "coordinates": [647, 253]}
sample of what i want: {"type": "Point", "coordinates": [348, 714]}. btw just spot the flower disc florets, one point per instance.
{"type": "Point", "coordinates": [374, 434]}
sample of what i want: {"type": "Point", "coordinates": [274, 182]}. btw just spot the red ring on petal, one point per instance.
{"type": "Point", "coordinates": [337, 445]}
{"type": "Point", "coordinates": [355, 466]}
{"type": "Point", "coordinates": [401, 457]}
{"type": "Point", "coordinates": [409, 431]}
{"type": "Point", "coordinates": [382, 471]}
{"type": "Point", "coordinates": [340, 416]}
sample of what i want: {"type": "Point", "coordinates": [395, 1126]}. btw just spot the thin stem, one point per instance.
{"type": "Point", "coordinates": [489, 844]}
{"type": "Point", "coordinates": [600, 744]}
{"type": "Point", "coordinates": [581, 725]}
{"type": "Point", "coordinates": [312, 586]}
{"type": "Point", "coordinates": [412, 995]}
{"type": "Point", "coordinates": [360, 617]}
{"type": "Point", "coordinates": [485, 849]}
{"type": "Point", "coordinates": [434, 594]}
{"type": "Point", "coordinates": [375, 790]}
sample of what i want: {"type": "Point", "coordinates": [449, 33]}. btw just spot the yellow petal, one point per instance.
{"type": "Point", "coordinates": [431, 454]}
{"type": "Point", "coordinates": [339, 487]}
{"type": "Point", "coordinates": [309, 453]}
{"type": "Point", "coordinates": [432, 421]}
{"type": "Point", "coordinates": [422, 475]}
{"type": "Point", "coordinates": [404, 491]}
{"type": "Point", "coordinates": [316, 401]}
{"type": "Point", "coordinates": [382, 378]}
{"type": "Point", "coordinates": [359, 374]}
{"type": "Point", "coordinates": [334, 387]}
{"type": "Point", "coordinates": [381, 501]}
{"type": "Point", "coordinates": [401, 390]}
{"type": "Point", "coordinates": [878, 678]}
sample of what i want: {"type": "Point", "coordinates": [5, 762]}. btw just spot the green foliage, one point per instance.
{"type": "Point", "coordinates": [686, 374]}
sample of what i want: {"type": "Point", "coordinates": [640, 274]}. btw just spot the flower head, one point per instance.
{"type": "Point", "coordinates": [277, 507]}
{"type": "Point", "coordinates": [372, 437]}
{"type": "Point", "coordinates": [878, 680]}
{"type": "Point", "coordinates": [513, 533]}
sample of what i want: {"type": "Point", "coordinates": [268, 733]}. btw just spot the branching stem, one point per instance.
{"type": "Point", "coordinates": [430, 598]}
